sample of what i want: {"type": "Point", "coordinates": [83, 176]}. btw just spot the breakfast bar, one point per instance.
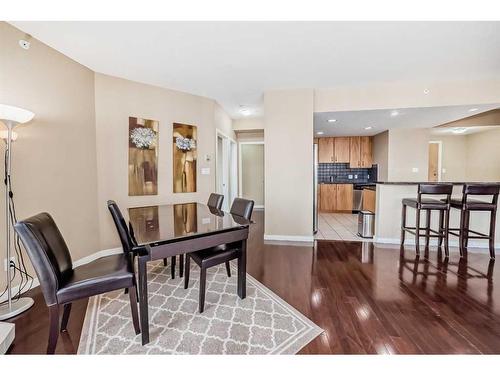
{"type": "Point", "coordinates": [389, 196]}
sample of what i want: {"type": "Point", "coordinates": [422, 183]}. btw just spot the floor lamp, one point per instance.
{"type": "Point", "coordinates": [11, 116]}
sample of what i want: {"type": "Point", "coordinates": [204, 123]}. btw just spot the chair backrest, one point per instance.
{"type": "Point", "coordinates": [126, 237]}
{"type": "Point", "coordinates": [435, 189]}
{"type": "Point", "coordinates": [242, 207]}
{"type": "Point", "coordinates": [47, 251]}
{"type": "Point", "coordinates": [215, 201]}
{"type": "Point", "coordinates": [481, 189]}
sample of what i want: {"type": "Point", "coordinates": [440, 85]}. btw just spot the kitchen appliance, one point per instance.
{"type": "Point", "coordinates": [315, 188]}
{"type": "Point", "coordinates": [366, 224]}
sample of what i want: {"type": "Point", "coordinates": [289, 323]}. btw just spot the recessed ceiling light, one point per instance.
{"type": "Point", "coordinates": [320, 133]}
{"type": "Point", "coordinates": [459, 130]}
{"type": "Point", "coordinates": [394, 113]}
{"type": "Point", "coordinates": [332, 120]}
{"type": "Point", "coordinates": [369, 127]}
{"type": "Point", "coordinates": [426, 91]}
{"type": "Point", "coordinates": [245, 112]}
{"type": "Point", "coordinates": [473, 109]}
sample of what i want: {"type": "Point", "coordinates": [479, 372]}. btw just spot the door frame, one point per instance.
{"type": "Point", "coordinates": [440, 159]}
{"type": "Point", "coordinates": [228, 143]}
{"type": "Point", "coordinates": [240, 174]}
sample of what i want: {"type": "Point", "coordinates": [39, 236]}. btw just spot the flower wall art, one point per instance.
{"type": "Point", "coordinates": [184, 157]}
{"type": "Point", "coordinates": [142, 156]}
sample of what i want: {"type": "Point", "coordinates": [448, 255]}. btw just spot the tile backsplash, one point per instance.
{"type": "Point", "coordinates": [339, 172]}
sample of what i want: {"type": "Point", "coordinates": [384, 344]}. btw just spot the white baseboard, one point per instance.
{"type": "Point", "coordinates": [76, 263]}
{"type": "Point", "coordinates": [478, 245]}
{"type": "Point", "coordinates": [277, 237]}
{"type": "Point", "coordinates": [258, 207]}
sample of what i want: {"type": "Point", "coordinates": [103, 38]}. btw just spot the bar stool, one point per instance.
{"type": "Point", "coordinates": [466, 205]}
{"type": "Point", "coordinates": [428, 204]}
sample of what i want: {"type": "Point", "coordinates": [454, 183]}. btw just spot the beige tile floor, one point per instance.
{"type": "Point", "coordinates": [338, 226]}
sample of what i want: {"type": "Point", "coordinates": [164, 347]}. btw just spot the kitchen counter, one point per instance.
{"type": "Point", "coordinates": [432, 183]}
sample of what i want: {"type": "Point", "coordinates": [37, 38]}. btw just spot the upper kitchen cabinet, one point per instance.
{"type": "Point", "coordinates": [325, 150]}
{"type": "Point", "coordinates": [366, 158]}
{"type": "Point", "coordinates": [360, 152]}
{"type": "Point", "coordinates": [355, 152]}
{"type": "Point", "coordinates": [341, 150]}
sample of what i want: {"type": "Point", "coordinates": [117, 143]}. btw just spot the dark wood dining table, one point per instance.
{"type": "Point", "coordinates": [172, 229]}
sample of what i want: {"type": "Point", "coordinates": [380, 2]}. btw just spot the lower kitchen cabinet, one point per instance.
{"type": "Point", "coordinates": [335, 197]}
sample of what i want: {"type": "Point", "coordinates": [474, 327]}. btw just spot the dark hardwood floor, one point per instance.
{"type": "Point", "coordinates": [367, 299]}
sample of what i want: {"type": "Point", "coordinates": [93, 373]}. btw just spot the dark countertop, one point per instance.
{"type": "Point", "coordinates": [434, 183]}
{"type": "Point", "coordinates": [348, 182]}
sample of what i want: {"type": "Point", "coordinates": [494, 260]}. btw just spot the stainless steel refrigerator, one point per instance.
{"type": "Point", "coordinates": [315, 188]}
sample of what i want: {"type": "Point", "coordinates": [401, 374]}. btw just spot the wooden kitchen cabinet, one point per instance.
{"type": "Point", "coordinates": [369, 198]}
{"type": "Point", "coordinates": [355, 152]}
{"type": "Point", "coordinates": [341, 149]}
{"type": "Point", "coordinates": [343, 199]}
{"type": "Point", "coordinates": [325, 150]}
{"type": "Point", "coordinates": [327, 196]}
{"type": "Point", "coordinates": [366, 158]}
{"type": "Point", "coordinates": [335, 197]}
{"type": "Point", "coordinates": [360, 153]}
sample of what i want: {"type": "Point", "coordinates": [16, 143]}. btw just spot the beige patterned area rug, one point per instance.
{"type": "Point", "coordinates": [262, 323]}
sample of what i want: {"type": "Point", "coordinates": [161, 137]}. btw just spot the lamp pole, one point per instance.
{"type": "Point", "coordinates": [11, 308]}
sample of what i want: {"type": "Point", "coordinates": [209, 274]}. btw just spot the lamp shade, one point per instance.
{"type": "Point", "coordinates": [15, 114]}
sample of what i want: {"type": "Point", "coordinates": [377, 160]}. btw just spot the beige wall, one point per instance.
{"type": "Point", "coordinates": [381, 154]}
{"type": "Point", "coordinates": [253, 123]}
{"type": "Point", "coordinates": [116, 100]}
{"type": "Point", "coordinates": [406, 95]}
{"type": "Point", "coordinates": [253, 136]}
{"type": "Point", "coordinates": [289, 163]}
{"type": "Point", "coordinates": [252, 172]}
{"type": "Point", "coordinates": [54, 158]}
{"type": "Point", "coordinates": [483, 156]}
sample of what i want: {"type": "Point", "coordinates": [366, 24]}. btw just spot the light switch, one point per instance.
{"type": "Point", "coordinates": [205, 170]}
{"type": "Point", "coordinates": [414, 170]}
{"type": "Point", "coordinates": [205, 220]}
{"type": "Point", "coordinates": [444, 170]}
{"type": "Point", "coordinates": [349, 177]}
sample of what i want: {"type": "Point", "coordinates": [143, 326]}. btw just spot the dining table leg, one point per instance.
{"type": "Point", "coordinates": [143, 298]}
{"type": "Point", "coordinates": [242, 270]}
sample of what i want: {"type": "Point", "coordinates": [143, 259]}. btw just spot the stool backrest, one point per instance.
{"type": "Point", "coordinates": [435, 189]}
{"type": "Point", "coordinates": [242, 207]}
{"type": "Point", "coordinates": [481, 189]}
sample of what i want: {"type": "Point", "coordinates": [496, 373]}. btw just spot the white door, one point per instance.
{"type": "Point", "coordinates": [226, 172]}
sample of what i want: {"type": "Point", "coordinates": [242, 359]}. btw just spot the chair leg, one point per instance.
{"type": "Point", "coordinates": [165, 262]}
{"type": "Point", "coordinates": [172, 268]}
{"type": "Point", "coordinates": [417, 231]}
{"type": "Point", "coordinates": [441, 228]}
{"type": "Point", "coordinates": [181, 265]}
{"type": "Point", "coordinates": [187, 268]}
{"type": "Point", "coordinates": [203, 281]}
{"type": "Point", "coordinates": [427, 227]}
{"type": "Point", "coordinates": [53, 328]}
{"type": "Point", "coordinates": [491, 240]}
{"type": "Point", "coordinates": [461, 233]}
{"type": "Point", "coordinates": [228, 269]}
{"type": "Point", "coordinates": [65, 317]}
{"type": "Point", "coordinates": [133, 305]}
{"type": "Point", "coordinates": [403, 224]}
{"type": "Point", "coordinates": [466, 231]}
{"type": "Point", "coordinates": [447, 233]}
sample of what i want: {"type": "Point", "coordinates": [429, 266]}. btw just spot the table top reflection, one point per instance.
{"type": "Point", "coordinates": [155, 225]}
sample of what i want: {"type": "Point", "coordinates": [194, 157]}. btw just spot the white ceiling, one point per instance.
{"type": "Point", "coordinates": [350, 123]}
{"type": "Point", "coordinates": [235, 62]}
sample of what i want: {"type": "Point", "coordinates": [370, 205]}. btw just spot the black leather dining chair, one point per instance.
{"type": "Point", "coordinates": [126, 233]}
{"type": "Point", "coordinates": [62, 284]}
{"type": "Point", "coordinates": [215, 201]}
{"type": "Point", "coordinates": [217, 255]}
